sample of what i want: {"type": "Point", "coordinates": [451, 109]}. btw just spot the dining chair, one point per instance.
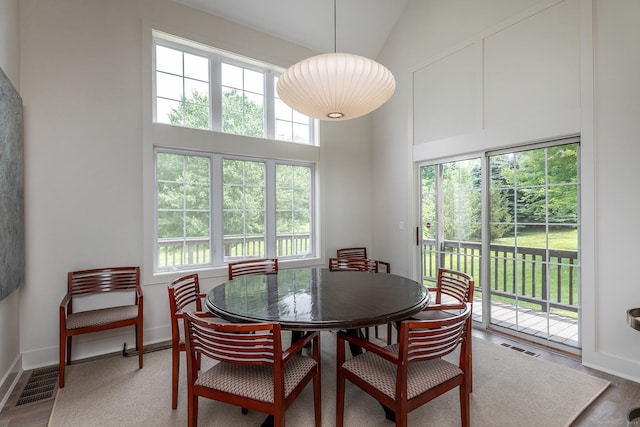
{"type": "Point", "coordinates": [359, 264]}
{"type": "Point", "coordinates": [452, 287]}
{"type": "Point", "coordinates": [360, 252]}
{"type": "Point", "coordinates": [184, 293]}
{"type": "Point", "coordinates": [97, 283]}
{"type": "Point", "coordinates": [253, 371]}
{"type": "Point", "coordinates": [253, 266]}
{"type": "Point", "coordinates": [406, 375]}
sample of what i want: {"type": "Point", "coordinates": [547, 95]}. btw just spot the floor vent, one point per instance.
{"type": "Point", "coordinates": [521, 350]}
{"type": "Point", "coordinates": [40, 386]}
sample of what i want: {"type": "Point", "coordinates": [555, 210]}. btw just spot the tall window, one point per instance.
{"type": "Point", "coordinates": [293, 210]}
{"type": "Point", "coordinates": [201, 87]}
{"type": "Point", "coordinates": [255, 208]}
{"type": "Point", "coordinates": [183, 209]}
{"type": "Point", "coordinates": [244, 200]}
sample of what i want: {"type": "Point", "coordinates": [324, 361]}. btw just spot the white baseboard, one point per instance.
{"type": "Point", "coordinates": [9, 380]}
{"type": "Point", "coordinates": [96, 344]}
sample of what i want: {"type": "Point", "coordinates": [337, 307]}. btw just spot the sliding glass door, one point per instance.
{"type": "Point", "coordinates": [528, 280]}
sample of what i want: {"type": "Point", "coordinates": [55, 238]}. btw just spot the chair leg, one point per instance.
{"type": "Point", "coordinates": [139, 344]}
{"type": "Point", "coordinates": [61, 358]}
{"type": "Point", "coordinates": [192, 411]}
{"type": "Point", "coordinates": [470, 366]}
{"type": "Point", "coordinates": [464, 405]}
{"type": "Point", "coordinates": [175, 374]}
{"type": "Point", "coordinates": [340, 399]}
{"type": "Point", "coordinates": [317, 393]}
{"type": "Point", "coordinates": [69, 350]}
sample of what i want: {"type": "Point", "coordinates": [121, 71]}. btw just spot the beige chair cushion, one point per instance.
{"type": "Point", "coordinates": [381, 373]}
{"type": "Point", "coordinates": [254, 381]}
{"type": "Point", "coordinates": [103, 316]}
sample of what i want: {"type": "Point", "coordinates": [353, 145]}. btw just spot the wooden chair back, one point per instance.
{"type": "Point", "coordinates": [253, 266]}
{"type": "Point", "coordinates": [455, 286]}
{"type": "Point", "coordinates": [184, 293]}
{"type": "Point", "coordinates": [258, 345]}
{"type": "Point", "coordinates": [98, 280]}
{"type": "Point", "coordinates": [422, 342]}
{"type": "Point", "coordinates": [351, 253]}
{"type": "Point", "coordinates": [353, 264]}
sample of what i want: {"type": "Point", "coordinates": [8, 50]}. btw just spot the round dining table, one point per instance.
{"type": "Point", "coordinates": [312, 299]}
{"type": "Point", "coordinates": [305, 299]}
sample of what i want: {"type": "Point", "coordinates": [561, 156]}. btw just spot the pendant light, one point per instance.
{"type": "Point", "coordinates": [336, 86]}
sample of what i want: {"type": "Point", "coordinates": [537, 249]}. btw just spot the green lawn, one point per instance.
{"type": "Point", "coordinates": [558, 239]}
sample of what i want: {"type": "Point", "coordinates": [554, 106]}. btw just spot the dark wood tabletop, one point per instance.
{"type": "Point", "coordinates": [316, 298]}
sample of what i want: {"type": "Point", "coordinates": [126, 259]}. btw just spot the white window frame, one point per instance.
{"type": "Point", "coordinates": [216, 209]}
{"type": "Point", "coordinates": [207, 141]}
{"type": "Point", "coordinates": [216, 57]}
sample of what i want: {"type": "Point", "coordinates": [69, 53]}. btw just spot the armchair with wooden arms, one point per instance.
{"type": "Point", "coordinates": [360, 252]}
{"type": "Point", "coordinates": [405, 376]}
{"type": "Point", "coordinates": [99, 282]}
{"type": "Point", "coordinates": [253, 371]}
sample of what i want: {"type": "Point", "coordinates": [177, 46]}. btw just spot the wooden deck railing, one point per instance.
{"type": "Point", "coordinates": [543, 278]}
{"type": "Point", "coordinates": [196, 250]}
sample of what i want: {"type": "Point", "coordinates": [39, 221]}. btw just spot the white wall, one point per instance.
{"type": "Point", "coordinates": [10, 362]}
{"type": "Point", "coordinates": [615, 346]}
{"type": "Point", "coordinates": [500, 102]}
{"type": "Point", "coordinates": [84, 76]}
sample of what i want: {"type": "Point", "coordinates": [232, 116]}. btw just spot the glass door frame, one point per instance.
{"type": "Point", "coordinates": [484, 276]}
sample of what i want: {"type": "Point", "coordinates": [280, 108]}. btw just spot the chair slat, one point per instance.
{"type": "Point", "coordinates": [253, 266]}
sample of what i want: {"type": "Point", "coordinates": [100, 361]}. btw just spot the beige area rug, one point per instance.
{"type": "Point", "coordinates": [510, 389]}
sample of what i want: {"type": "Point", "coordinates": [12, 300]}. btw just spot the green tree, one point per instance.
{"type": "Point", "coordinates": [240, 115]}
{"type": "Point", "coordinates": [193, 112]}
{"type": "Point", "coordinates": [545, 181]}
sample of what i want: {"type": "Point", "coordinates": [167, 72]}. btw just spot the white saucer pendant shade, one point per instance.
{"type": "Point", "coordinates": [336, 86]}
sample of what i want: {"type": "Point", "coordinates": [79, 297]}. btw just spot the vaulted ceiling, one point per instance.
{"type": "Point", "coordinates": [362, 26]}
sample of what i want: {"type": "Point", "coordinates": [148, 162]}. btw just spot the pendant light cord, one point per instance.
{"type": "Point", "coordinates": [335, 25]}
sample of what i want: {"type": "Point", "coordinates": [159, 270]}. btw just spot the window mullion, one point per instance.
{"type": "Point", "coordinates": [269, 106]}
{"type": "Point", "coordinates": [216, 217]}
{"type": "Point", "coordinates": [270, 214]}
{"type": "Point", "coordinates": [215, 94]}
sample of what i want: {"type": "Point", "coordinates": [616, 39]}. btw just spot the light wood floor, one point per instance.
{"type": "Point", "coordinates": [609, 410]}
